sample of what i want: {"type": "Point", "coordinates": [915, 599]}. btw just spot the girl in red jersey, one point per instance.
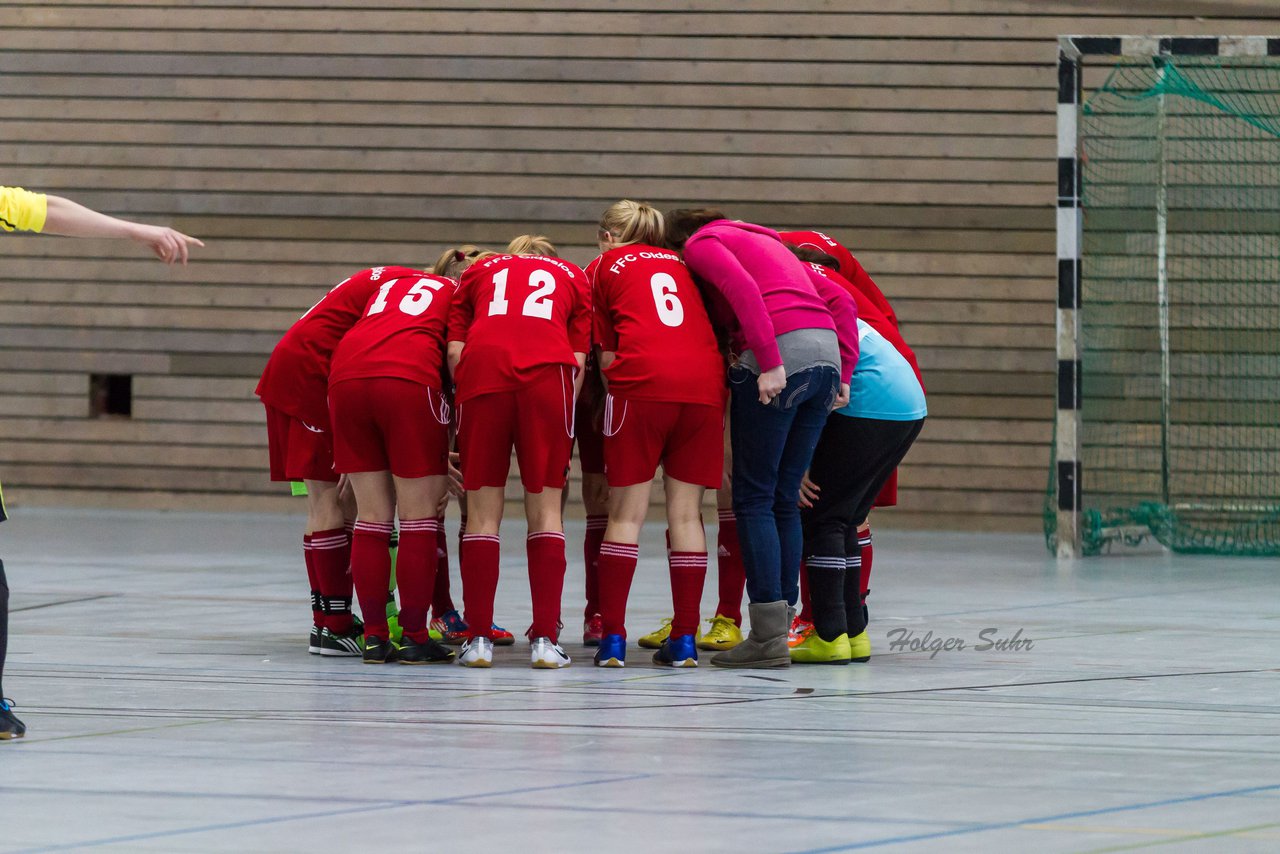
{"type": "Point", "coordinates": [294, 388]}
{"type": "Point", "coordinates": [519, 330]}
{"type": "Point", "coordinates": [446, 622]}
{"type": "Point", "coordinates": [391, 438]}
{"type": "Point", "coordinates": [846, 265]}
{"type": "Point", "coordinates": [595, 488]}
{"type": "Point", "coordinates": [665, 405]}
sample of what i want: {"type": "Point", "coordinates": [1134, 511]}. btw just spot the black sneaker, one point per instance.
{"type": "Point", "coordinates": [378, 650]}
{"type": "Point", "coordinates": [334, 644]}
{"type": "Point", "coordinates": [678, 651]}
{"type": "Point", "coordinates": [428, 652]}
{"type": "Point", "coordinates": [313, 641]}
{"type": "Point", "coordinates": [10, 726]}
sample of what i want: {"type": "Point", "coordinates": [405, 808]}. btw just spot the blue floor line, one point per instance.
{"type": "Point", "coordinates": [389, 805]}
{"type": "Point", "coordinates": [1006, 825]}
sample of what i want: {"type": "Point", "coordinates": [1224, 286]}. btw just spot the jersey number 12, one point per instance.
{"type": "Point", "coordinates": [537, 304]}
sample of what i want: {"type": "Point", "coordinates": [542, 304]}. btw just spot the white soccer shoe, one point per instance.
{"type": "Point", "coordinates": [546, 654]}
{"type": "Point", "coordinates": [476, 652]}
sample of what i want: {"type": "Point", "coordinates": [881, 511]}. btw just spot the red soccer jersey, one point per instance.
{"type": "Point", "coordinates": [296, 379]}
{"type": "Point", "coordinates": [850, 269]}
{"type": "Point", "coordinates": [875, 318]}
{"type": "Point", "coordinates": [401, 334]}
{"type": "Point", "coordinates": [649, 312]}
{"type": "Point", "coordinates": [517, 314]}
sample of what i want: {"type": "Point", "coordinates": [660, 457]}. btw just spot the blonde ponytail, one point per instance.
{"type": "Point", "coordinates": [633, 222]}
{"type": "Point", "coordinates": [532, 244]}
{"type": "Point", "coordinates": [452, 262]}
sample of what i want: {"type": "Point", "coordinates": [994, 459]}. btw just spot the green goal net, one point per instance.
{"type": "Point", "coordinates": [1180, 306]}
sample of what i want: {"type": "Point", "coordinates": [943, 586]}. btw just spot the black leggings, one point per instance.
{"type": "Point", "coordinates": [851, 464]}
{"type": "Point", "coordinates": [4, 623]}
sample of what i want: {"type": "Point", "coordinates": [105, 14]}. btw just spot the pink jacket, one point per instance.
{"type": "Point", "coordinates": [770, 290]}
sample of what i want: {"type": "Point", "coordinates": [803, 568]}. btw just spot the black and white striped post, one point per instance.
{"type": "Point", "coordinates": [1070, 230]}
{"type": "Point", "coordinates": [1072, 52]}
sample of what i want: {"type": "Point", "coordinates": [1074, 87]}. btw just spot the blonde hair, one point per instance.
{"type": "Point", "coordinates": [532, 244]}
{"type": "Point", "coordinates": [452, 262]}
{"type": "Point", "coordinates": [633, 222]}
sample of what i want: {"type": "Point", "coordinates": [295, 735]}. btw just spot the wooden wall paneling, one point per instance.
{"type": "Point", "coordinates": [306, 141]}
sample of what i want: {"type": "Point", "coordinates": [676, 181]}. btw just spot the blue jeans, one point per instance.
{"type": "Point", "coordinates": [772, 447]}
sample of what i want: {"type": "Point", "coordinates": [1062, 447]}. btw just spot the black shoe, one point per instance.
{"type": "Point", "coordinates": [679, 651]}
{"type": "Point", "coordinates": [10, 726]}
{"type": "Point", "coordinates": [427, 652]}
{"type": "Point", "coordinates": [349, 644]}
{"type": "Point", "coordinates": [378, 651]}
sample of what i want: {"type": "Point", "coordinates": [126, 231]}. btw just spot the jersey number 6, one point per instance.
{"type": "Point", "coordinates": [670, 310]}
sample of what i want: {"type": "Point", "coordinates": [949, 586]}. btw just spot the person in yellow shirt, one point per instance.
{"type": "Point", "coordinates": [21, 210]}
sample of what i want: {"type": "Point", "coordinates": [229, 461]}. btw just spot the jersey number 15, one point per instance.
{"type": "Point", "coordinates": [414, 303]}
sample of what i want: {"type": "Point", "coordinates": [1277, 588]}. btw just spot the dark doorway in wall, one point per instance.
{"type": "Point", "coordinates": [110, 395]}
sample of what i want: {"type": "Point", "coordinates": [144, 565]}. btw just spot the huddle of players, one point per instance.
{"type": "Point", "coordinates": [378, 380]}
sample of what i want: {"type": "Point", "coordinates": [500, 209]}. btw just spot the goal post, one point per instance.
{"type": "Point", "coordinates": [1168, 316]}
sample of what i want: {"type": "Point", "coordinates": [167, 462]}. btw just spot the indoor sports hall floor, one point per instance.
{"type": "Point", "coordinates": [160, 662]}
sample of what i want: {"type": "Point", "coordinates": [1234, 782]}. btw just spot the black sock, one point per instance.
{"type": "Point", "coordinates": [826, 592]}
{"type": "Point", "coordinates": [4, 623]}
{"type": "Point", "coordinates": [854, 613]}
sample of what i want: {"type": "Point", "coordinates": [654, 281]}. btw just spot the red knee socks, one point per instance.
{"type": "Point", "coordinates": [317, 614]}
{"type": "Point", "coordinates": [545, 550]}
{"type": "Point", "coordinates": [371, 571]}
{"type": "Point", "coordinates": [441, 598]}
{"type": "Point", "coordinates": [331, 560]}
{"type": "Point", "coordinates": [416, 574]}
{"type": "Point", "coordinates": [479, 558]}
{"type": "Point", "coordinates": [729, 568]}
{"type": "Point", "coordinates": [441, 601]}
{"type": "Point", "coordinates": [688, 573]}
{"type": "Point", "coordinates": [617, 568]}
{"type": "Point", "coordinates": [864, 542]}
{"type": "Point", "coordinates": [806, 598]}
{"type": "Point", "coordinates": [596, 525]}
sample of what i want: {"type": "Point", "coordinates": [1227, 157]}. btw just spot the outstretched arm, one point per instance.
{"type": "Point", "coordinates": [70, 219]}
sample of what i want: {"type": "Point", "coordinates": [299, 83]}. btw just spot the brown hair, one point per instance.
{"type": "Point", "coordinates": [814, 256]}
{"type": "Point", "coordinates": [452, 262]}
{"type": "Point", "coordinates": [683, 222]}
{"type": "Point", "coordinates": [634, 222]}
{"type": "Point", "coordinates": [532, 244]}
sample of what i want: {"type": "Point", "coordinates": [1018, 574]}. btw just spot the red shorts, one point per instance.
{"type": "Point", "coordinates": [687, 438]}
{"type": "Point", "coordinates": [389, 424]}
{"type": "Point", "coordinates": [297, 451]}
{"type": "Point", "coordinates": [536, 419]}
{"type": "Point", "coordinates": [888, 496]}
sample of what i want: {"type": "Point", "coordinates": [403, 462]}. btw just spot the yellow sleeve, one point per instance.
{"type": "Point", "coordinates": [21, 210]}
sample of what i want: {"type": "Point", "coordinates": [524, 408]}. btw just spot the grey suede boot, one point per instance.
{"type": "Point", "coordinates": [766, 646]}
